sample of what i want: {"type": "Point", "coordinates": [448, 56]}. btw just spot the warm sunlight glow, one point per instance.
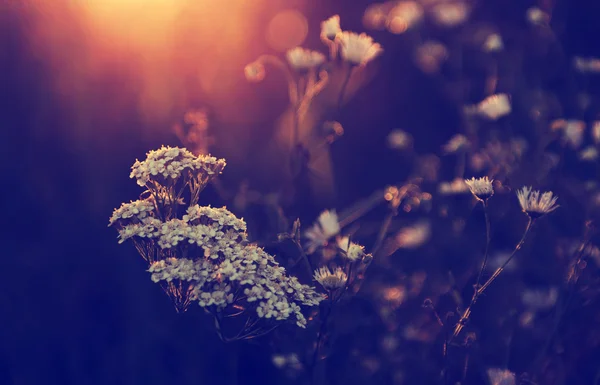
{"type": "Point", "coordinates": [288, 29]}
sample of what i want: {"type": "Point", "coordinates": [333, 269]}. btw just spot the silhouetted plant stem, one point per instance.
{"type": "Point", "coordinates": [479, 290]}
{"type": "Point", "coordinates": [487, 242]}
{"type": "Point", "coordinates": [344, 86]}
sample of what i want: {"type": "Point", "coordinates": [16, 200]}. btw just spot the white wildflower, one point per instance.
{"type": "Point", "coordinates": [326, 227]}
{"type": "Point", "coordinates": [501, 377]}
{"type": "Point", "coordinates": [139, 210]}
{"type": "Point", "coordinates": [450, 14]}
{"type": "Point", "coordinates": [399, 140]}
{"type": "Point", "coordinates": [536, 16]}
{"type": "Point", "coordinates": [455, 187]}
{"type": "Point", "coordinates": [481, 188]}
{"type": "Point", "coordinates": [330, 28]}
{"type": "Point", "coordinates": [430, 56]}
{"type": "Point", "coordinates": [493, 43]}
{"type": "Point", "coordinates": [358, 49]}
{"type": "Point", "coordinates": [302, 59]}
{"type": "Point", "coordinates": [331, 280]}
{"type": "Point", "coordinates": [588, 154]}
{"type": "Point", "coordinates": [573, 132]}
{"type": "Point", "coordinates": [457, 143]}
{"type": "Point", "coordinates": [352, 251]}
{"type": "Point", "coordinates": [534, 205]}
{"type": "Point", "coordinates": [405, 15]}
{"type": "Point", "coordinates": [495, 106]}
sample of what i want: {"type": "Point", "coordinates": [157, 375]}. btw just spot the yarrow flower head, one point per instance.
{"type": "Point", "coordinates": [331, 280]}
{"type": "Point", "coordinates": [330, 28]}
{"type": "Point", "coordinates": [358, 49]}
{"type": "Point", "coordinates": [534, 205]}
{"type": "Point", "coordinates": [481, 188]}
{"type": "Point", "coordinates": [302, 59]}
{"type": "Point", "coordinates": [173, 162]}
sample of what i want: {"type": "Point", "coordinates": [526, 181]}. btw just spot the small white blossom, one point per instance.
{"type": "Point", "coordinates": [399, 140]}
{"type": "Point", "coordinates": [301, 59]}
{"type": "Point", "coordinates": [358, 49]}
{"type": "Point", "coordinates": [404, 16]}
{"type": "Point", "coordinates": [536, 16]}
{"type": "Point", "coordinates": [457, 143]}
{"type": "Point", "coordinates": [326, 227]}
{"type": "Point", "coordinates": [493, 43]}
{"type": "Point", "coordinates": [481, 188]}
{"type": "Point", "coordinates": [450, 14]}
{"type": "Point", "coordinates": [352, 251]}
{"type": "Point", "coordinates": [331, 280]}
{"type": "Point", "coordinates": [430, 56]}
{"type": "Point", "coordinates": [534, 205]}
{"type": "Point", "coordinates": [330, 28]}
{"type": "Point", "coordinates": [139, 209]}
{"type": "Point", "coordinates": [494, 107]}
{"type": "Point", "coordinates": [588, 154]}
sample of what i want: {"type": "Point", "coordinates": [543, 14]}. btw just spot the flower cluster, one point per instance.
{"type": "Point", "coordinates": [201, 253]}
{"type": "Point", "coordinates": [172, 162]}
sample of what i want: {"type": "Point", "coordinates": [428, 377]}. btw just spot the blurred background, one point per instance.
{"type": "Point", "coordinates": [89, 86]}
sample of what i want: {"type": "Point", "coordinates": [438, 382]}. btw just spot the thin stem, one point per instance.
{"type": "Point", "coordinates": [487, 242]}
{"type": "Point", "coordinates": [479, 290]}
{"type": "Point", "coordinates": [344, 86]}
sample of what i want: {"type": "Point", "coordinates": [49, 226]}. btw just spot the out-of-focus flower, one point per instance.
{"type": "Point", "coordinates": [457, 186]}
{"type": "Point", "coordinates": [537, 17]}
{"type": "Point", "coordinates": [596, 131]}
{"type": "Point", "coordinates": [534, 205]}
{"type": "Point", "coordinates": [358, 49]}
{"type": "Point", "coordinates": [352, 251]}
{"type": "Point", "coordinates": [494, 107]}
{"type": "Point", "coordinates": [399, 140]}
{"type": "Point", "coordinates": [540, 299]}
{"type": "Point", "coordinates": [481, 188]}
{"type": "Point", "coordinates": [326, 227]}
{"type": "Point", "coordinates": [331, 280]}
{"type": "Point", "coordinates": [572, 131]}
{"type": "Point", "coordinates": [255, 72]}
{"type": "Point", "coordinates": [493, 43]}
{"type": "Point", "coordinates": [457, 143]}
{"type": "Point", "coordinates": [376, 15]}
{"type": "Point", "coordinates": [413, 236]}
{"type": "Point", "coordinates": [302, 59]}
{"type": "Point", "coordinates": [450, 14]}
{"type": "Point", "coordinates": [586, 64]}
{"type": "Point", "coordinates": [330, 28]}
{"type": "Point", "coordinates": [589, 154]}
{"type": "Point", "coordinates": [501, 377]}
{"type": "Point", "coordinates": [403, 16]}
{"type": "Point", "coordinates": [430, 55]}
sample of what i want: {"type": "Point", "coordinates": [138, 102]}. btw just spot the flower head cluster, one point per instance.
{"type": "Point", "coordinates": [481, 188]}
{"type": "Point", "coordinates": [330, 28]}
{"type": "Point", "coordinates": [534, 205]}
{"type": "Point", "coordinates": [172, 162]}
{"type": "Point", "coordinates": [131, 211]}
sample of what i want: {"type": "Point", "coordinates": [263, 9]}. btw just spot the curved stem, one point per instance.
{"type": "Point", "coordinates": [479, 290]}
{"type": "Point", "coordinates": [487, 242]}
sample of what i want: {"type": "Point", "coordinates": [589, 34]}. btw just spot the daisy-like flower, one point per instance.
{"type": "Point", "coordinates": [302, 59]}
{"type": "Point", "coordinates": [535, 206]}
{"type": "Point", "coordinates": [330, 28]}
{"type": "Point", "coordinates": [481, 188]}
{"type": "Point", "coordinates": [358, 49]}
{"type": "Point", "coordinates": [255, 72]}
{"type": "Point", "coordinates": [352, 250]}
{"type": "Point", "coordinates": [331, 280]}
{"type": "Point", "coordinates": [326, 227]}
